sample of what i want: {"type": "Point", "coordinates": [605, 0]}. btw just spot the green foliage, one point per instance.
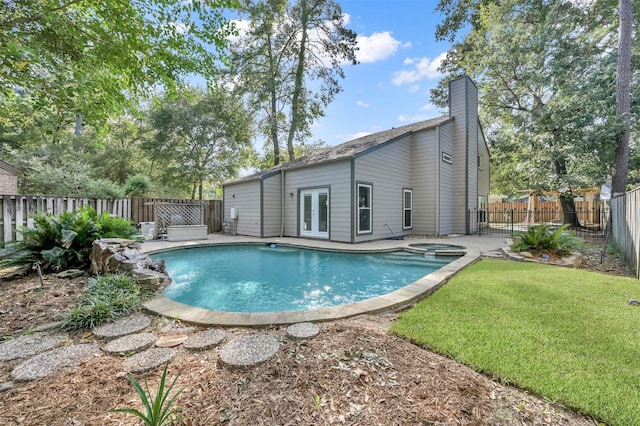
{"type": "Point", "coordinates": [287, 76]}
{"type": "Point", "coordinates": [200, 137]}
{"type": "Point", "coordinates": [65, 241]}
{"type": "Point", "coordinates": [545, 72]}
{"type": "Point", "coordinates": [107, 298]}
{"type": "Point", "coordinates": [541, 239]}
{"type": "Point", "coordinates": [137, 185]}
{"type": "Point", "coordinates": [158, 407]}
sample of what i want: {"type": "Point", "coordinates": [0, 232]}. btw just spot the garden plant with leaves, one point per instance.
{"type": "Point", "coordinates": [541, 239]}
{"type": "Point", "coordinates": [159, 408]}
{"type": "Point", "coordinates": [65, 241]}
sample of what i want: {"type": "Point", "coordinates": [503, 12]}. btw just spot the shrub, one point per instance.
{"type": "Point", "coordinates": [137, 185]}
{"type": "Point", "coordinates": [540, 239]}
{"type": "Point", "coordinates": [65, 241]}
{"type": "Point", "coordinates": [158, 407]}
{"type": "Point", "coordinates": [108, 298]}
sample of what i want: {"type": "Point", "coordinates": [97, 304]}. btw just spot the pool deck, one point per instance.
{"type": "Point", "coordinates": [397, 300]}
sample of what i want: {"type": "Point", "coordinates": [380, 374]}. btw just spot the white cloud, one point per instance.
{"type": "Point", "coordinates": [414, 88]}
{"type": "Point", "coordinates": [363, 104]}
{"type": "Point", "coordinates": [420, 68]}
{"type": "Point", "coordinates": [354, 136]}
{"type": "Point", "coordinates": [403, 118]}
{"type": "Point", "coordinates": [428, 107]}
{"type": "Point", "coordinates": [376, 47]}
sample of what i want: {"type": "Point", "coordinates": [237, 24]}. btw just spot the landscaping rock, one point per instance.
{"type": "Point", "coordinates": [122, 327]}
{"type": "Point", "coordinates": [113, 255]}
{"type": "Point", "coordinates": [6, 386]}
{"type": "Point", "coordinates": [70, 273]}
{"type": "Point", "coordinates": [170, 340]}
{"type": "Point", "coordinates": [29, 345]}
{"type": "Point", "coordinates": [303, 330]}
{"type": "Point", "coordinates": [147, 360]}
{"type": "Point", "coordinates": [14, 271]}
{"type": "Point", "coordinates": [249, 350]}
{"type": "Point", "coordinates": [176, 328]}
{"type": "Point", "coordinates": [48, 326]}
{"type": "Point", "coordinates": [131, 343]}
{"type": "Point", "coordinates": [50, 362]}
{"type": "Point", "coordinates": [205, 339]}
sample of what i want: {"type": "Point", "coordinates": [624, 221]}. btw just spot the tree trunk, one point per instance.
{"type": "Point", "coordinates": [299, 81]}
{"type": "Point", "coordinates": [569, 213]}
{"type": "Point", "coordinates": [623, 100]}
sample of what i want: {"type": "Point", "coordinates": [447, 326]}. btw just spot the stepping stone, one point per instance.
{"type": "Point", "coordinates": [6, 386]}
{"type": "Point", "coordinates": [29, 345]}
{"type": "Point", "coordinates": [148, 360]}
{"type": "Point", "coordinates": [170, 341]}
{"type": "Point", "coordinates": [122, 327]}
{"type": "Point", "coordinates": [205, 340]}
{"type": "Point", "coordinates": [50, 362]}
{"type": "Point", "coordinates": [303, 330]}
{"type": "Point", "coordinates": [249, 350]}
{"type": "Point", "coordinates": [130, 343]}
{"type": "Point", "coordinates": [48, 326]}
{"type": "Point", "coordinates": [176, 329]}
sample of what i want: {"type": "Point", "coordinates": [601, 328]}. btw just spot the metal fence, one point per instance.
{"type": "Point", "coordinates": [508, 222]}
{"type": "Point", "coordinates": [625, 225]}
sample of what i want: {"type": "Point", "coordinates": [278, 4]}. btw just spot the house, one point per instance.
{"type": "Point", "coordinates": [423, 178]}
{"type": "Point", "coordinates": [8, 179]}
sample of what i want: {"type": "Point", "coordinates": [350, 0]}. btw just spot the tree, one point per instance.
{"type": "Point", "coordinates": [623, 100]}
{"type": "Point", "coordinates": [288, 65]}
{"type": "Point", "coordinates": [199, 137]}
{"type": "Point", "coordinates": [545, 74]}
{"type": "Point", "coordinates": [89, 58]}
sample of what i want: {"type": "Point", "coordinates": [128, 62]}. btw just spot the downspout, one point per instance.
{"type": "Point", "coordinates": [282, 196]}
{"type": "Point", "coordinates": [437, 195]}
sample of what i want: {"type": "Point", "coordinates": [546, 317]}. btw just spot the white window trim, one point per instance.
{"type": "Point", "coordinates": [370, 208]}
{"type": "Point", "coordinates": [447, 158]}
{"type": "Point", "coordinates": [405, 208]}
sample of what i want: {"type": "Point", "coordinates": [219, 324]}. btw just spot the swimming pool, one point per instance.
{"type": "Point", "coordinates": [266, 278]}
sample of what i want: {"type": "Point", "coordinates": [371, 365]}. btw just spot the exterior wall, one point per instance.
{"type": "Point", "coordinates": [8, 182]}
{"type": "Point", "coordinates": [246, 197]}
{"type": "Point", "coordinates": [424, 179]}
{"type": "Point", "coordinates": [484, 171]}
{"type": "Point", "coordinates": [388, 170]}
{"type": "Point", "coordinates": [271, 206]}
{"type": "Point", "coordinates": [335, 176]}
{"type": "Point", "coordinates": [447, 182]}
{"type": "Point", "coordinates": [463, 106]}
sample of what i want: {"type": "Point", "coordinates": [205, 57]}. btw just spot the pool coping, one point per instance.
{"type": "Point", "coordinates": [394, 301]}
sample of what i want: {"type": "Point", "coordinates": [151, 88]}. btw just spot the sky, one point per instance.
{"type": "Point", "coordinates": [399, 57]}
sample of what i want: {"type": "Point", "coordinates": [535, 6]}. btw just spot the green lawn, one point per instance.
{"type": "Point", "coordinates": [566, 335]}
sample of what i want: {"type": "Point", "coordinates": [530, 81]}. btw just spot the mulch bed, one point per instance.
{"type": "Point", "coordinates": [353, 373]}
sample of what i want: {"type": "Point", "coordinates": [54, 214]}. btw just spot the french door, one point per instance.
{"type": "Point", "coordinates": [314, 213]}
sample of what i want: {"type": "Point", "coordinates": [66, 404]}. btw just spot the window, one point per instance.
{"type": "Point", "coordinates": [447, 158]}
{"type": "Point", "coordinates": [407, 207]}
{"type": "Point", "coordinates": [480, 162]}
{"type": "Point", "coordinates": [364, 208]}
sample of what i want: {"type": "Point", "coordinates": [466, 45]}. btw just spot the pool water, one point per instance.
{"type": "Point", "coordinates": [272, 279]}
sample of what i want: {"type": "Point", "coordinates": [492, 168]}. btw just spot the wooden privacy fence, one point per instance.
{"type": "Point", "coordinates": [17, 211]}
{"type": "Point", "coordinates": [589, 213]}
{"type": "Point", "coordinates": [625, 227]}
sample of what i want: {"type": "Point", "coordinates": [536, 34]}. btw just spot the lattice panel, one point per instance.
{"type": "Point", "coordinates": [170, 214]}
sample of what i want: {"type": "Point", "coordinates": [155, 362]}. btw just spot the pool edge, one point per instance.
{"type": "Point", "coordinates": [394, 301]}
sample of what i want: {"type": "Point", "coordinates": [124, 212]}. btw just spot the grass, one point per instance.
{"type": "Point", "coordinates": [108, 298]}
{"type": "Point", "coordinates": [566, 335]}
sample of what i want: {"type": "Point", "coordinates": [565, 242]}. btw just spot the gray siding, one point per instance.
{"type": "Point", "coordinates": [248, 202]}
{"type": "Point", "coordinates": [271, 206]}
{"type": "Point", "coordinates": [484, 172]}
{"type": "Point", "coordinates": [335, 176]}
{"type": "Point", "coordinates": [448, 183]}
{"type": "Point", "coordinates": [424, 180]}
{"type": "Point", "coordinates": [388, 169]}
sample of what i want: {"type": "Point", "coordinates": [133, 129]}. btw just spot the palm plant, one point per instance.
{"type": "Point", "coordinates": [541, 239]}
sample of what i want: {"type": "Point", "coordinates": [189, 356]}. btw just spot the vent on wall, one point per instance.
{"type": "Point", "coordinates": [447, 158]}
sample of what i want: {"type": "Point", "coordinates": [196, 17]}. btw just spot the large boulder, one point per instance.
{"type": "Point", "coordinates": [118, 255]}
